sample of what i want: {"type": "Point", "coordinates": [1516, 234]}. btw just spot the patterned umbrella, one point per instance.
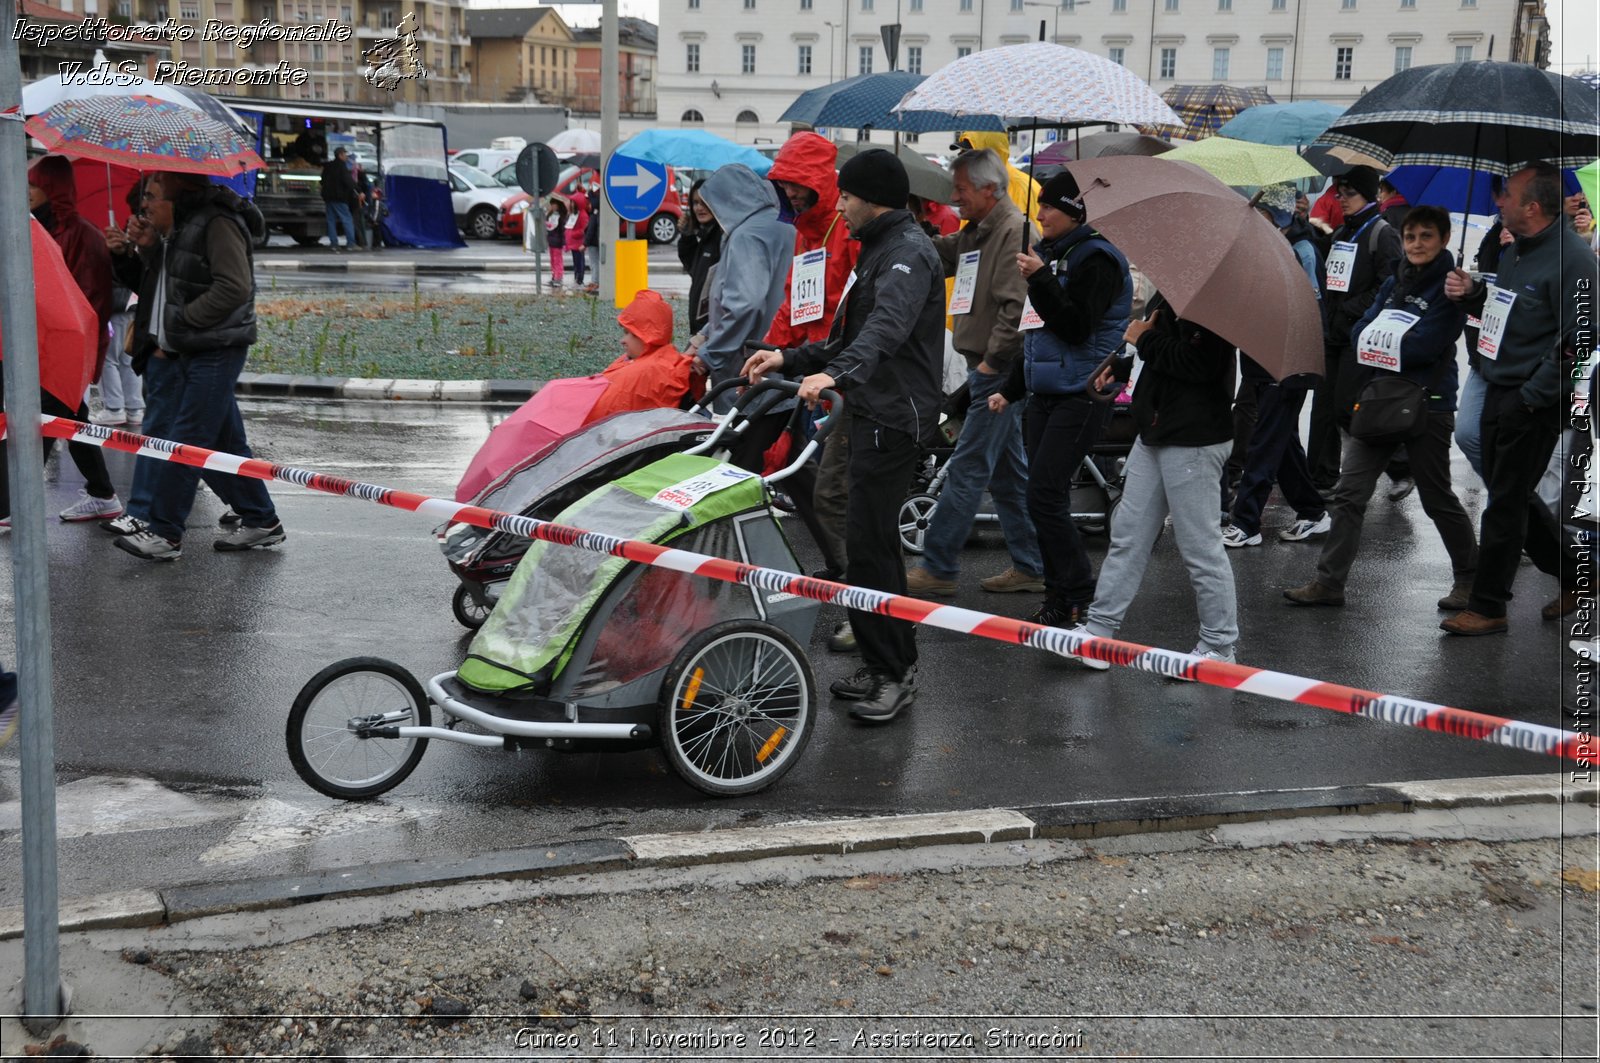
{"type": "Point", "coordinates": [45, 93]}
{"type": "Point", "coordinates": [1049, 83]}
{"type": "Point", "coordinates": [1204, 109]}
{"type": "Point", "coordinates": [1487, 116]}
{"type": "Point", "coordinates": [1288, 125]}
{"type": "Point", "coordinates": [928, 180]}
{"type": "Point", "coordinates": [1241, 163]}
{"type": "Point", "coordinates": [868, 101]}
{"type": "Point", "coordinates": [145, 133]}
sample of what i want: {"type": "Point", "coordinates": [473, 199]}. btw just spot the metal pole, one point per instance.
{"type": "Point", "coordinates": [44, 997]}
{"type": "Point", "coordinates": [608, 143]}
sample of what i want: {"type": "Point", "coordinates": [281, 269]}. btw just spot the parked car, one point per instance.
{"type": "Point", "coordinates": [489, 160]}
{"type": "Point", "coordinates": [475, 197]}
{"type": "Point", "coordinates": [660, 229]}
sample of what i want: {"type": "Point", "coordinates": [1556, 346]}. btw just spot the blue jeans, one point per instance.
{"type": "Point", "coordinates": [206, 414]}
{"type": "Point", "coordinates": [161, 381]}
{"type": "Point", "coordinates": [339, 214]}
{"type": "Point", "coordinates": [1469, 420]}
{"type": "Point", "coordinates": [988, 454]}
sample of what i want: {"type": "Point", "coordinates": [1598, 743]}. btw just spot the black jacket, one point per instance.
{"type": "Point", "coordinates": [210, 296]}
{"type": "Point", "coordinates": [886, 348]}
{"type": "Point", "coordinates": [1184, 397]}
{"type": "Point", "coordinates": [337, 184]}
{"type": "Point", "coordinates": [1377, 252]}
{"type": "Point", "coordinates": [699, 249]}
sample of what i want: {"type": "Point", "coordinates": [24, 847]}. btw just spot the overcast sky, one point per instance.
{"type": "Point", "coordinates": [1573, 25]}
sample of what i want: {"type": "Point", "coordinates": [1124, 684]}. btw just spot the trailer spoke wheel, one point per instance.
{"type": "Point", "coordinates": [331, 757]}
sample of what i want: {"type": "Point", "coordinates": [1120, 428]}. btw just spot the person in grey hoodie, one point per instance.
{"type": "Point", "coordinates": [747, 284]}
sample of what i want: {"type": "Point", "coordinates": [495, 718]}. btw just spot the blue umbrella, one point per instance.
{"type": "Point", "coordinates": [1286, 125]}
{"type": "Point", "coordinates": [1447, 187]}
{"type": "Point", "coordinates": [694, 148]}
{"type": "Point", "coordinates": [867, 101]}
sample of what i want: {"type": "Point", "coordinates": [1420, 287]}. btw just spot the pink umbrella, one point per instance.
{"type": "Point", "coordinates": [555, 411]}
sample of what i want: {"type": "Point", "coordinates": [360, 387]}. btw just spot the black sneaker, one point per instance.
{"type": "Point", "coordinates": [1052, 615]}
{"type": "Point", "coordinates": [853, 687]}
{"type": "Point", "coordinates": [886, 700]}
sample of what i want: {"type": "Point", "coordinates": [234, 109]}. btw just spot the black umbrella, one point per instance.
{"type": "Point", "coordinates": [1484, 115]}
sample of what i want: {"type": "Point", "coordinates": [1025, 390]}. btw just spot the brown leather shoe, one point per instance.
{"type": "Point", "coordinates": [1561, 606]}
{"type": "Point", "coordinates": [1467, 622]}
{"type": "Point", "coordinates": [1314, 593]}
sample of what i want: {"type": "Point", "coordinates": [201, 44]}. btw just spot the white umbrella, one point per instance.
{"type": "Point", "coordinates": [1048, 83]}
{"type": "Point", "coordinates": [575, 141]}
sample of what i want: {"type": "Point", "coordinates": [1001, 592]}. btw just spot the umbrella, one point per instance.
{"type": "Point", "coordinates": [1048, 83]}
{"type": "Point", "coordinates": [45, 93]}
{"type": "Point", "coordinates": [1483, 115]}
{"type": "Point", "coordinates": [1284, 124]}
{"type": "Point", "coordinates": [68, 329]}
{"type": "Point", "coordinates": [928, 179]}
{"type": "Point", "coordinates": [1589, 180]}
{"type": "Point", "coordinates": [693, 148]}
{"type": "Point", "coordinates": [1239, 162]}
{"type": "Point", "coordinates": [1099, 145]}
{"type": "Point", "coordinates": [1210, 253]}
{"type": "Point", "coordinates": [1204, 109]}
{"type": "Point", "coordinates": [145, 133]}
{"type": "Point", "coordinates": [575, 141]}
{"type": "Point", "coordinates": [555, 411]}
{"type": "Point", "coordinates": [867, 102]}
{"type": "Point", "coordinates": [1451, 186]}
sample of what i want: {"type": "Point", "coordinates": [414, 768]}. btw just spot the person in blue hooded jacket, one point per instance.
{"type": "Point", "coordinates": [1424, 352]}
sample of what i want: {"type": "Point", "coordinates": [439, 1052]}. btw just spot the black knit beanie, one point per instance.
{"type": "Point", "coordinates": [877, 177]}
{"type": "Point", "coordinates": [1364, 179]}
{"type": "Point", "coordinates": [1061, 192]}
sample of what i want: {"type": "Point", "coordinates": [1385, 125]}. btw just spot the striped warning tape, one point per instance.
{"type": "Point", "coordinates": [1497, 730]}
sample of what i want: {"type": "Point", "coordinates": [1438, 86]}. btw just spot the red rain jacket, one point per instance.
{"type": "Point", "coordinates": [808, 159]}
{"type": "Point", "coordinates": [658, 378]}
{"type": "Point", "coordinates": [82, 245]}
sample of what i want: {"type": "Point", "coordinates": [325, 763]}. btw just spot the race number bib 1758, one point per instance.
{"type": "Point", "coordinates": [1341, 263]}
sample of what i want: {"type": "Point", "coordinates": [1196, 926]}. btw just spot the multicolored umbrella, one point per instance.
{"type": "Point", "coordinates": [1288, 125]}
{"type": "Point", "coordinates": [1048, 83]}
{"type": "Point", "coordinates": [867, 101]}
{"type": "Point", "coordinates": [1202, 110]}
{"type": "Point", "coordinates": [144, 133]}
{"type": "Point", "coordinates": [45, 93]}
{"type": "Point", "coordinates": [1241, 163]}
{"type": "Point", "coordinates": [1589, 181]}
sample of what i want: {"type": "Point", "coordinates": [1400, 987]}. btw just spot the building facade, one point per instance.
{"type": "Point", "coordinates": [733, 66]}
{"type": "Point", "coordinates": [636, 69]}
{"type": "Point", "coordinates": [521, 52]}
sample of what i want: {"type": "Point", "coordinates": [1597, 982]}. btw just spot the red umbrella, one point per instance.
{"type": "Point", "coordinates": [1218, 262]}
{"type": "Point", "coordinates": [556, 410]}
{"type": "Point", "coordinates": [103, 190]}
{"type": "Point", "coordinates": [69, 331]}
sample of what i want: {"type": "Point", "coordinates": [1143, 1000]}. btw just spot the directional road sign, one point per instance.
{"type": "Point", "coordinates": [635, 187]}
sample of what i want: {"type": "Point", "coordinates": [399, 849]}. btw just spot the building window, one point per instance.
{"type": "Point", "coordinates": [966, 6]}
{"type": "Point", "coordinates": [916, 6]}
{"type": "Point", "coordinates": [1280, 5]}
{"type": "Point", "coordinates": [749, 5]}
{"type": "Point", "coordinates": [805, 5]}
{"type": "Point", "coordinates": [1224, 5]}
{"type": "Point", "coordinates": [747, 59]}
{"type": "Point", "coordinates": [1172, 5]}
{"type": "Point", "coordinates": [1274, 64]}
{"type": "Point", "coordinates": [1463, 53]}
{"type": "Point", "coordinates": [692, 115]}
{"type": "Point", "coordinates": [963, 51]}
{"type": "Point", "coordinates": [1219, 64]}
{"type": "Point", "coordinates": [1408, 5]}
{"type": "Point", "coordinates": [1119, 5]}
{"type": "Point", "coordinates": [188, 11]}
{"type": "Point", "coordinates": [694, 5]}
{"type": "Point", "coordinates": [1016, 5]}
{"type": "Point", "coordinates": [747, 118]}
{"type": "Point", "coordinates": [1402, 58]}
{"type": "Point", "coordinates": [866, 5]}
{"type": "Point", "coordinates": [691, 58]}
{"type": "Point", "coordinates": [914, 59]}
{"type": "Point", "coordinates": [1341, 63]}
{"type": "Point", "coordinates": [803, 62]}
{"type": "Point", "coordinates": [1469, 3]}
{"type": "Point", "coordinates": [1117, 55]}
{"type": "Point", "coordinates": [1347, 5]}
{"type": "Point", "coordinates": [864, 59]}
{"type": "Point", "coordinates": [1169, 63]}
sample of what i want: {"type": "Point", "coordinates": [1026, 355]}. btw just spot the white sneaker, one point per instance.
{"type": "Point", "coordinates": [1235, 536]}
{"type": "Point", "coordinates": [1301, 530]}
{"type": "Point", "coordinates": [109, 418]}
{"type": "Point", "coordinates": [1207, 653]}
{"type": "Point", "coordinates": [150, 546]}
{"type": "Point", "coordinates": [88, 507]}
{"type": "Point", "coordinates": [1088, 662]}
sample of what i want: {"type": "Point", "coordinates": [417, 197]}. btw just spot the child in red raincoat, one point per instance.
{"type": "Point", "coordinates": [651, 373]}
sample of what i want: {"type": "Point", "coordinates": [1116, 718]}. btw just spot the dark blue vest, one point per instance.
{"type": "Point", "coordinates": [1051, 365]}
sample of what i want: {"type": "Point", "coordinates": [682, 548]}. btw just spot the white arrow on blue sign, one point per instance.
{"type": "Point", "coordinates": [635, 187]}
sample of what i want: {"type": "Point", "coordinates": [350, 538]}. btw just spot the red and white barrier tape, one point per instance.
{"type": "Point", "coordinates": [1497, 730]}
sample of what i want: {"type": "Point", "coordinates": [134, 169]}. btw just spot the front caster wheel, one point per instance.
{"type": "Point", "coordinates": [333, 732]}
{"type": "Point", "coordinates": [470, 612]}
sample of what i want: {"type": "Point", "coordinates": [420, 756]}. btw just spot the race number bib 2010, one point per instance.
{"type": "Point", "coordinates": [807, 287]}
{"type": "Point", "coordinates": [1379, 344]}
{"type": "Point", "coordinates": [966, 283]}
{"type": "Point", "coordinates": [1341, 263]}
{"type": "Point", "coordinates": [1496, 311]}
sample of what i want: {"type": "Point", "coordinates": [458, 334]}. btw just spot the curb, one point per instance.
{"type": "Point", "coordinates": [368, 264]}
{"type": "Point", "coordinates": [1072, 820]}
{"type": "Point", "coordinates": [286, 385]}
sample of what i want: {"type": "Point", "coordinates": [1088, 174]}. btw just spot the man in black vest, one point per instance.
{"type": "Point", "coordinates": [202, 320]}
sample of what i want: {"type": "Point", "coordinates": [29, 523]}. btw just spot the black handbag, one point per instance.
{"type": "Point", "coordinates": [1390, 409]}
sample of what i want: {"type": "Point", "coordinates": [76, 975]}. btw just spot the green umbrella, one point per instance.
{"type": "Point", "coordinates": [1589, 181]}
{"type": "Point", "coordinates": [1239, 162]}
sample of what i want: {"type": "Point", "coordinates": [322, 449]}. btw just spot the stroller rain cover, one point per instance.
{"type": "Point", "coordinates": [530, 636]}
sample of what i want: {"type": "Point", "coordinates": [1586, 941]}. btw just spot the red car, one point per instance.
{"type": "Point", "coordinates": [660, 229]}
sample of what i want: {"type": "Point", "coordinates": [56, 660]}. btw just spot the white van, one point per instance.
{"type": "Point", "coordinates": [489, 160]}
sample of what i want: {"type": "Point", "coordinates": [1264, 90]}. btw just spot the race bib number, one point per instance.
{"type": "Point", "coordinates": [1472, 320]}
{"type": "Point", "coordinates": [685, 493]}
{"type": "Point", "coordinates": [966, 283]}
{"type": "Point", "coordinates": [1030, 317]}
{"type": "Point", "coordinates": [807, 287]}
{"type": "Point", "coordinates": [1379, 345]}
{"type": "Point", "coordinates": [1496, 311]}
{"type": "Point", "coordinates": [1341, 263]}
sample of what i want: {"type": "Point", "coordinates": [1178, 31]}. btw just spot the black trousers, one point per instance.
{"type": "Point", "coordinates": [1517, 444]}
{"type": "Point", "coordinates": [1057, 431]}
{"type": "Point", "coordinates": [90, 462]}
{"type": "Point", "coordinates": [881, 463]}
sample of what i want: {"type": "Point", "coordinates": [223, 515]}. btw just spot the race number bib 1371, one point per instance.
{"type": "Point", "coordinates": [1341, 263]}
{"type": "Point", "coordinates": [1379, 344]}
{"type": "Point", "coordinates": [807, 286]}
{"type": "Point", "coordinates": [1496, 311]}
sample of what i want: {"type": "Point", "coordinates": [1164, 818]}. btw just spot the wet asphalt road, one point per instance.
{"type": "Point", "coordinates": [183, 674]}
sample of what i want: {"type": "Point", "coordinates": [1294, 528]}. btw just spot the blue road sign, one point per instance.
{"type": "Point", "coordinates": [635, 187]}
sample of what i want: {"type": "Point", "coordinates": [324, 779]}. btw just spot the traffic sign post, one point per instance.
{"type": "Point", "coordinates": [635, 188]}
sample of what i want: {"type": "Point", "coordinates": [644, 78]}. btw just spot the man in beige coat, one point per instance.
{"type": "Point", "coordinates": [987, 307]}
